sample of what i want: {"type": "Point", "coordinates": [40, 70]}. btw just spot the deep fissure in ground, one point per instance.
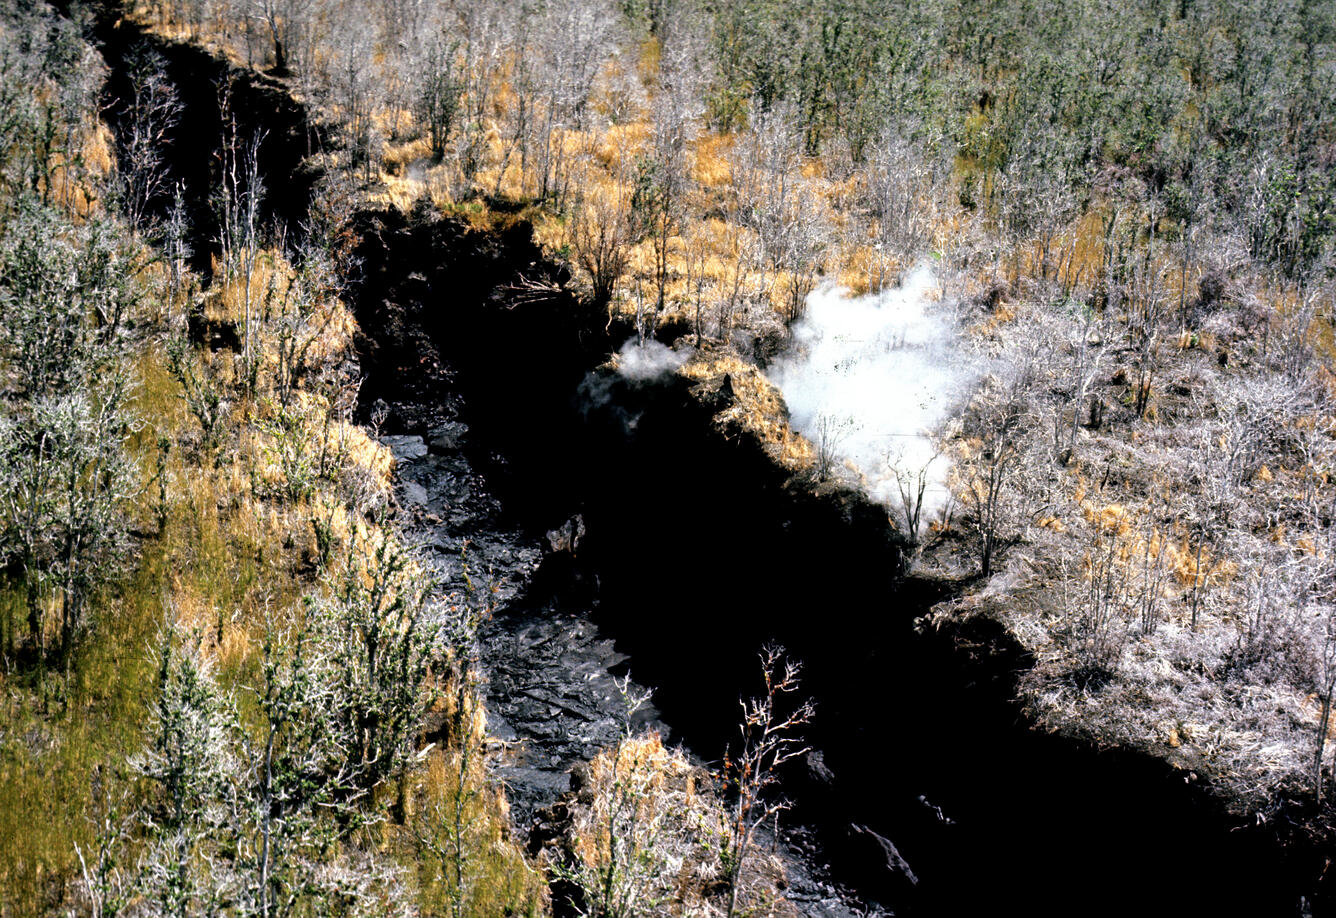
{"type": "Point", "coordinates": [702, 549]}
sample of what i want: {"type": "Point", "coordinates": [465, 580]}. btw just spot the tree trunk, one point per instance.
{"type": "Point", "coordinates": [1322, 724]}
{"type": "Point", "coordinates": [266, 830]}
{"type": "Point", "coordinates": [35, 617]}
{"type": "Point", "coordinates": [280, 58]}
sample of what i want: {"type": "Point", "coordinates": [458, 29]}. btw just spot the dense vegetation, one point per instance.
{"type": "Point", "coordinates": [218, 655]}
{"type": "Point", "coordinates": [1131, 211]}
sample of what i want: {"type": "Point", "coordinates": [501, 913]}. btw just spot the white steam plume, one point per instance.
{"type": "Point", "coordinates": [870, 379]}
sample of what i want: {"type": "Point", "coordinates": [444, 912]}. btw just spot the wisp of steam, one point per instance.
{"type": "Point", "coordinates": [645, 362]}
{"type": "Point", "coordinates": [869, 379]}
{"type": "Point", "coordinates": [637, 364]}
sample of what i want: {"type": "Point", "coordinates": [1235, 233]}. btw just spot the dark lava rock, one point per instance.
{"type": "Point", "coordinates": [405, 448]}
{"type": "Point", "coordinates": [551, 676]}
{"type": "Point", "coordinates": [567, 536]}
{"type": "Point", "coordinates": [415, 494]}
{"type": "Point", "coordinates": [890, 877]}
{"type": "Point", "coordinates": [818, 772]}
{"type": "Point", "coordinates": [448, 437]}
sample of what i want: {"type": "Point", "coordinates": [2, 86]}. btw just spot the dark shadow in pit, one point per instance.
{"type": "Point", "coordinates": [191, 147]}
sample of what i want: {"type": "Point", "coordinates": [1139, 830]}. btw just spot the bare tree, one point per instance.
{"type": "Point", "coordinates": [655, 209]}
{"type": "Point", "coordinates": [440, 91]}
{"type": "Point", "coordinates": [483, 33]}
{"type": "Point", "coordinates": [765, 178]}
{"type": "Point", "coordinates": [1211, 513]}
{"type": "Point", "coordinates": [831, 432]}
{"type": "Point", "coordinates": [684, 71]}
{"type": "Point", "coordinates": [770, 736]}
{"type": "Point", "coordinates": [802, 249]}
{"type": "Point", "coordinates": [176, 250]}
{"type": "Point", "coordinates": [662, 174]}
{"type": "Point", "coordinates": [151, 113]}
{"type": "Point", "coordinates": [742, 259]}
{"type": "Point", "coordinates": [912, 478]}
{"type": "Point", "coordinates": [1326, 692]}
{"type": "Point", "coordinates": [1000, 415]}
{"type": "Point", "coordinates": [284, 19]}
{"type": "Point", "coordinates": [1085, 350]}
{"type": "Point", "coordinates": [240, 195]}
{"type": "Point", "coordinates": [1151, 574]}
{"type": "Point", "coordinates": [902, 192]}
{"type": "Point", "coordinates": [1147, 308]}
{"type": "Point", "coordinates": [517, 121]}
{"type": "Point", "coordinates": [770, 196]}
{"type": "Point", "coordinates": [573, 39]}
{"type": "Point", "coordinates": [1033, 193]}
{"type": "Point", "coordinates": [696, 259]}
{"type": "Point", "coordinates": [355, 89]}
{"type": "Point", "coordinates": [1101, 611]}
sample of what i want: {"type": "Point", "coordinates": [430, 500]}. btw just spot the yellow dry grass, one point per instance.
{"type": "Point", "coordinates": [398, 156]}
{"type": "Point", "coordinates": [617, 148]}
{"type": "Point", "coordinates": [1188, 562]}
{"type": "Point", "coordinates": [1191, 565]}
{"type": "Point", "coordinates": [1110, 519]}
{"type": "Point", "coordinates": [358, 450]}
{"type": "Point", "coordinates": [862, 269]}
{"type": "Point", "coordinates": [68, 182]}
{"type": "Point", "coordinates": [711, 168]}
{"type": "Point", "coordinates": [758, 407]}
{"type": "Point", "coordinates": [647, 752]}
{"type": "Point", "coordinates": [642, 768]}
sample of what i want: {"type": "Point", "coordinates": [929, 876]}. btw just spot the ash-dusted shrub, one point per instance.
{"type": "Point", "coordinates": [646, 835]}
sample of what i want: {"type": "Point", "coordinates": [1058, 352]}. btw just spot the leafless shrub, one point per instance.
{"type": "Point", "coordinates": [152, 112]}
{"type": "Point", "coordinates": [911, 482]}
{"type": "Point", "coordinates": [903, 192]}
{"type": "Point", "coordinates": [599, 233]}
{"type": "Point", "coordinates": [831, 431]}
{"type": "Point", "coordinates": [770, 736]}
